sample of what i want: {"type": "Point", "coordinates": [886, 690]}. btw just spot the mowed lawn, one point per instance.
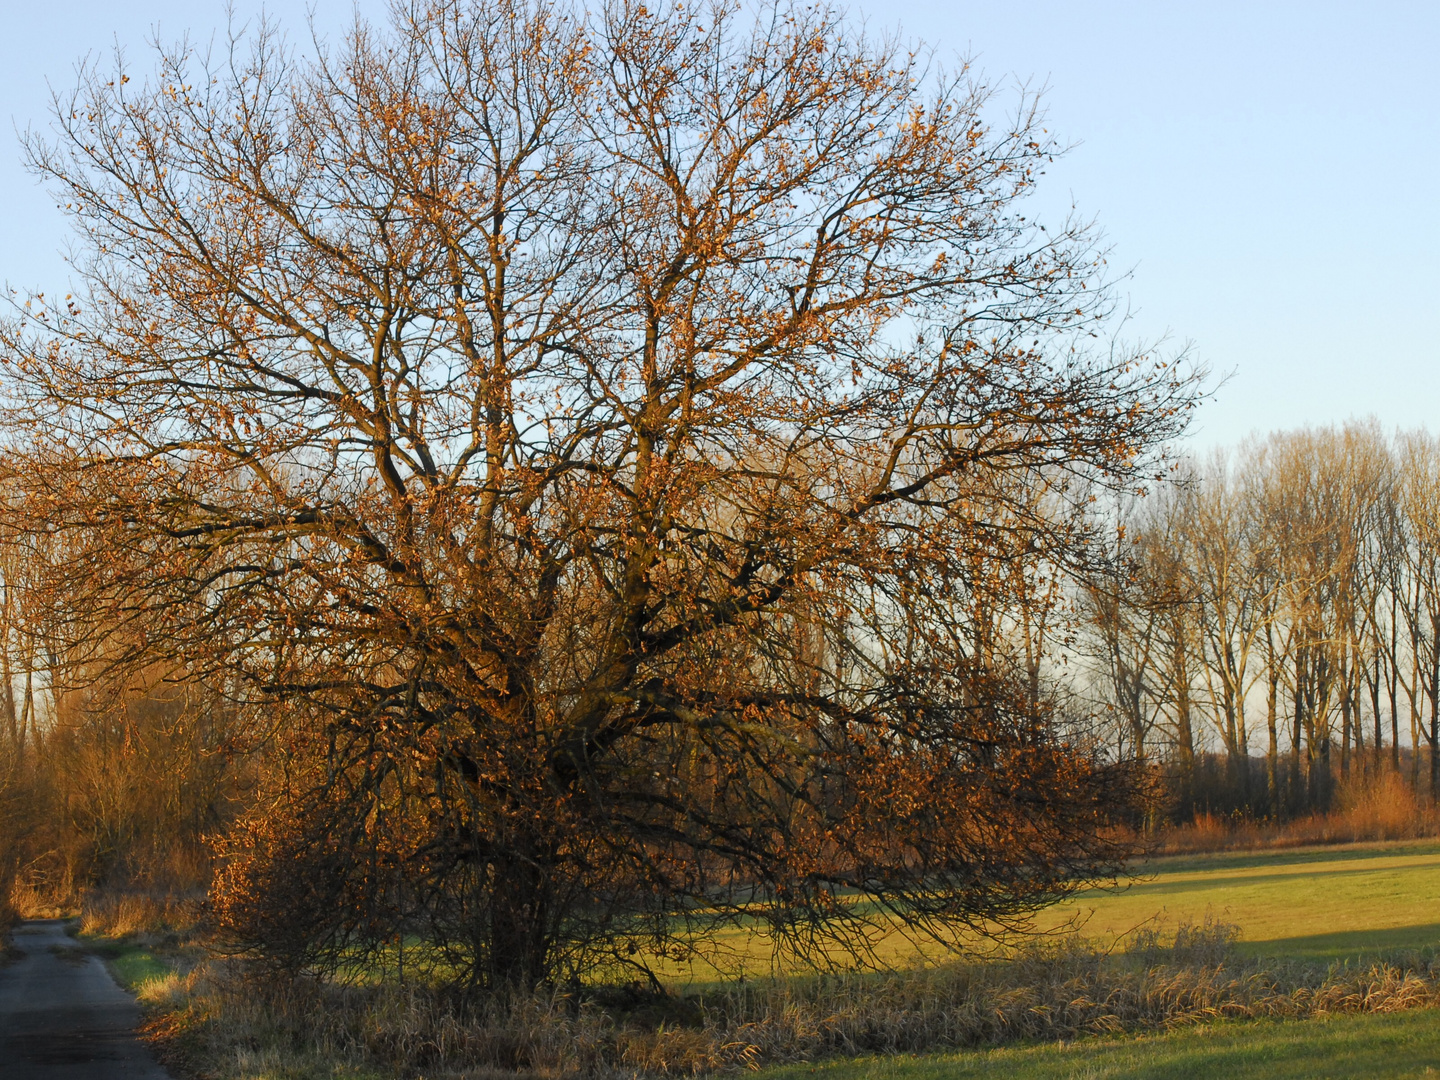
{"type": "Point", "coordinates": [1349, 902]}
{"type": "Point", "coordinates": [1322, 904]}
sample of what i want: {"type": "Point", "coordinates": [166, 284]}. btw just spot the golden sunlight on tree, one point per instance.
{"type": "Point", "coordinates": [619, 470]}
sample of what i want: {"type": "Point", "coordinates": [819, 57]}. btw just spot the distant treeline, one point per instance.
{"type": "Point", "coordinates": [1278, 605]}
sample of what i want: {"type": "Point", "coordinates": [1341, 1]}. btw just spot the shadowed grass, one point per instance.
{"type": "Point", "coordinates": [1375, 1047]}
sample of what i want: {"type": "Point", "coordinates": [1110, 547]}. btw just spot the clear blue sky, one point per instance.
{"type": "Point", "coordinates": [1270, 172]}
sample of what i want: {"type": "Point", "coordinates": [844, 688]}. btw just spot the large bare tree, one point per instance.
{"type": "Point", "coordinates": [585, 443]}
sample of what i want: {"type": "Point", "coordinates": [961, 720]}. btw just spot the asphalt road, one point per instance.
{"type": "Point", "coordinates": [63, 1018]}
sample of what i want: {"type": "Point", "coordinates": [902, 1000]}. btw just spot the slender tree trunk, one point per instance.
{"type": "Point", "coordinates": [12, 717]}
{"type": "Point", "coordinates": [1394, 673]}
{"type": "Point", "coordinates": [1375, 711]}
{"type": "Point", "coordinates": [1324, 780]}
{"type": "Point", "coordinates": [1415, 726]}
{"type": "Point", "coordinates": [1394, 731]}
{"type": "Point", "coordinates": [27, 711]}
{"type": "Point", "coordinates": [1293, 796]}
{"type": "Point", "coordinates": [1416, 694]}
{"type": "Point", "coordinates": [1272, 751]}
{"type": "Point", "coordinates": [1345, 720]}
{"type": "Point", "coordinates": [1184, 730]}
{"type": "Point", "coordinates": [1346, 715]}
{"type": "Point", "coordinates": [1433, 735]}
{"type": "Point", "coordinates": [1357, 703]}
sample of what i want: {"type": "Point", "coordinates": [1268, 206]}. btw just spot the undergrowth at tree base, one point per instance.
{"type": "Point", "coordinates": [224, 1022]}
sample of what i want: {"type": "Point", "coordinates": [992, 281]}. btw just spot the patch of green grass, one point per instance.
{"type": "Point", "coordinates": [131, 962]}
{"type": "Point", "coordinates": [1319, 905]}
{"type": "Point", "coordinates": [133, 967]}
{"type": "Point", "coordinates": [1375, 1047]}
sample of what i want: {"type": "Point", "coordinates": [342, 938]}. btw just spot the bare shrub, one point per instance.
{"type": "Point", "coordinates": [1384, 808]}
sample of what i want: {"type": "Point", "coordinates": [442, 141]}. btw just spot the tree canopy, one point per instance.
{"type": "Point", "coordinates": [613, 459]}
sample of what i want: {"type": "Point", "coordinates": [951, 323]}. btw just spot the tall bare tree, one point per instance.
{"type": "Point", "coordinates": [587, 441]}
{"type": "Point", "coordinates": [1420, 500]}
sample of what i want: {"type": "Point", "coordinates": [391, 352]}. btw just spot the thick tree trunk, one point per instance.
{"type": "Point", "coordinates": [519, 932]}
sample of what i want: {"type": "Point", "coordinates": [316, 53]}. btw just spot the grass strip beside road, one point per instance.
{"type": "Point", "coordinates": [1372, 1046]}
{"type": "Point", "coordinates": [136, 962]}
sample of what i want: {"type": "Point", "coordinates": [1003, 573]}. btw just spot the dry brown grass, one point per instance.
{"type": "Point", "coordinates": [29, 902]}
{"type": "Point", "coordinates": [232, 1027]}
{"type": "Point", "coordinates": [128, 914]}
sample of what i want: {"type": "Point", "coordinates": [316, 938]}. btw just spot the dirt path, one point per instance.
{"type": "Point", "coordinates": [63, 1018]}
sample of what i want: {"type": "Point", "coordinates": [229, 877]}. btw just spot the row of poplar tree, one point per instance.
{"type": "Point", "coordinates": [1280, 603]}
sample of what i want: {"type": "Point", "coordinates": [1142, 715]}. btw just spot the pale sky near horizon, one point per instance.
{"type": "Point", "coordinates": [1270, 173]}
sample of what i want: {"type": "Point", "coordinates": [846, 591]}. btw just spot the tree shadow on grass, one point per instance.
{"type": "Point", "coordinates": [1355, 946]}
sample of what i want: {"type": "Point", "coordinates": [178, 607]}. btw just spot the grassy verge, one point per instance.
{"type": "Point", "coordinates": [134, 963]}
{"type": "Point", "coordinates": [142, 939]}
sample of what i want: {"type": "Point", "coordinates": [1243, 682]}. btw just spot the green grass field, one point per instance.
{"type": "Point", "coordinates": [1351, 902]}
{"type": "Point", "coordinates": [1320, 905]}
{"type": "Point", "coordinates": [1314, 904]}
